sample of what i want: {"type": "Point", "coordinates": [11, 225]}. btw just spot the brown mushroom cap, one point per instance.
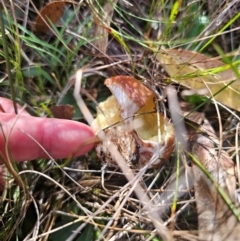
{"type": "Point", "coordinates": [130, 94]}
{"type": "Point", "coordinates": [137, 137]}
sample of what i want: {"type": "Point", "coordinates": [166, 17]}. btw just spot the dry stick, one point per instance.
{"type": "Point", "coordinates": [214, 205]}
{"type": "Point", "coordinates": [102, 208]}
{"type": "Point", "coordinates": [105, 18]}
{"type": "Point", "coordinates": [117, 207]}
{"type": "Point", "coordinates": [66, 191]}
{"type": "Point", "coordinates": [209, 219]}
{"type": "Point", "coordinates": [79, 205]}
{"type": "Point", "coordinates": [137, 178]}
{"type": "Point", "coordinates": [155, 218]}
{"type": "Point", "coordinates": [150, 238]}
{"type": "Point", "coordinates": [25, 19]}
{"type": "Point", "coordinates": [208, 37]}
{"type": "Point", "coordinates": [185, 177]}
{"type": "Point", "coordinates": [87, 72]}
{"type": "Point", "coordinates": [157, 221]}
{"type": "Point", "coordinates": [81, 104]}
{"type": "Point", "coordinates": [219, 122]}
{"type": "Point", "coordinates": [116, 214]}
{"type": "Point", "coordinates": [185, 184]}
{"type": "Point", "coordinates": [220, 18]}
{"type": "Point", "coordinates": [177, 119]}
{"type": "Point", "coordinates": [36, 228]}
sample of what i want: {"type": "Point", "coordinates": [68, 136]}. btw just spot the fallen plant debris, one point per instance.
{"type": "Point", "coordinates": [116, 118]}
{"type": "Point", "coordinates": [155, 188]}
{"type": "Point", "coordinates": [214, 183]}
{"type": "Point", "coordinates": [50, 14]}
{"type": "Point", "coordinates": [63, 111]}
{"type": "Point", "coordinates": [200, 72]}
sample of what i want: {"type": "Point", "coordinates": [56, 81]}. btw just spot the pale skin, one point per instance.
{"type": "Point", "coordinates": [31, 137]}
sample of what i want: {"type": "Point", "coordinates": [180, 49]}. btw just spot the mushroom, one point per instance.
{"type": "Point", "coordinates": [129, 119]}
{"type": "Point", "coordinates": [130, 94]}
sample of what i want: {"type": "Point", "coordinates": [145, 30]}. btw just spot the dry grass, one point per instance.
{"type": "Point", "coordinates": [72, 201]}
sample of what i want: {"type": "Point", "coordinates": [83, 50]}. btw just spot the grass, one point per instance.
{"type": "Point", "coordinates": [63, 197]}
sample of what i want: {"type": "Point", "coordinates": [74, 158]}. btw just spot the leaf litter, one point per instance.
{"type": "Point", "coordinates": [128, 199]}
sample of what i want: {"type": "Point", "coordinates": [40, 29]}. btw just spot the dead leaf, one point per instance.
{"type": "Point", "coordinates": [102, 23]}
{"type": "Point", "coordinates": [193, 70]}
{"type": "Point", "coordinates": [49, 14]}
{"type": "Point", "coordinates": [215, 218]}
{"type": "Point", "coordinates": [63, 111]}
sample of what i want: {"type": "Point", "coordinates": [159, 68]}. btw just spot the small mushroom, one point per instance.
{"type": "Point", "coordinates": [129, 120]}
{"type": "Point", "coordinates": [130, 94]}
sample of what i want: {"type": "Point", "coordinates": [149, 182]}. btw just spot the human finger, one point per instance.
{"type": "Point", "coordinates": [7, 107]}
{"type": "Point", "coordinates": [30, 137]}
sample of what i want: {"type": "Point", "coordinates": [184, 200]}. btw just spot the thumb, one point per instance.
{"type": "Point", "coordinates": [27, 137]}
